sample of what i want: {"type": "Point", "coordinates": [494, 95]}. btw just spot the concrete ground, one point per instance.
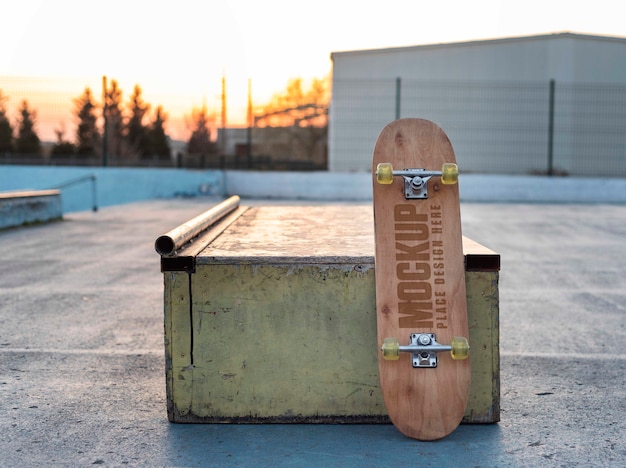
{"type": "Point", "coordinates": [82, 366]}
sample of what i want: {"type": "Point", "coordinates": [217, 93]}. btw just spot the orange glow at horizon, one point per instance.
{"type": "Point", "coordinates": [52, 99]}
{"type": "Point", "coordinates": [179, 53]}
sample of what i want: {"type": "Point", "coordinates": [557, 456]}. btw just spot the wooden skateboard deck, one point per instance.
{"type": "Point", "coordinates": [420, 282]}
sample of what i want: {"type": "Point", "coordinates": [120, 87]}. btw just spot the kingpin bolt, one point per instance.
{"type": "Point", "coordinates": [424, 340]}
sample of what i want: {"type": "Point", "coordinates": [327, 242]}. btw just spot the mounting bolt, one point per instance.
{"type": "Point", "coordinates": [417, 183]}
{"type": "Point", "coordinates": [424, 340]}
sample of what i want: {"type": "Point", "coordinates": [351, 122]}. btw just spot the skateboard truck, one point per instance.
{"type": "Point", "coordinates": [424, 348]}
{"type": "Point", "coordinates": [416, 180]}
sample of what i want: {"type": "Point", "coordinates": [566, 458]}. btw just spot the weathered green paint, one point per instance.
{"type": "Point", "coordinates": [278, 322]}
{"type": "Point", "coordinates": [291, 343]}
{"type": "Point", "coordinates": [484, 330]}
{"type": "Point", "coordinates": [281, 341]}
{"type": "Point", "coordinates": [178, 366]}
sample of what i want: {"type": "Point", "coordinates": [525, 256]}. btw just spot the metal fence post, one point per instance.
{"type": "Point", "coordinates": [105, 133]}
{"type": "Point", "coordinates": [398, 92]}
{"type": "Point", "coordinates": [551, 130]}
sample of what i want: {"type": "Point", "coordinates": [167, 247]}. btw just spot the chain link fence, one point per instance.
{"type": "Point", "coordinates": [495, 127]}
{"type": "Point", "coordinates": [53, 108]}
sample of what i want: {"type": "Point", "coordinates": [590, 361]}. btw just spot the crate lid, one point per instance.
{"type": "Point", "coordinates": [321, 234]}
{"type": "Point", "coordinates": [298, 235]}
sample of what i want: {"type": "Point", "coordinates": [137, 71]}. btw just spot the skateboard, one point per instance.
{"type": "Point", "coordinates": [421, 309]}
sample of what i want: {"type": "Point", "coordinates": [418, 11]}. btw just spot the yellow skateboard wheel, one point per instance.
{"type": "Point", "coordinates": [384, 173]}
{"type": "Point", "coordinates": [391, 349]}
{"type": "Point", "coordinates": [460, 348]}
{"type": "Point", "coordinates": [449, 173]}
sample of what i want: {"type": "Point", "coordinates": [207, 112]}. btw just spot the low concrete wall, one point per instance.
{"type": "Point", "coordinates": [472, 187]}
{"type": "Point", "coordinates": [114, 185]}
{"type": "Point", "coordinates": [541, 189]}
{"type": "Point", "coordinates": [299, 185]}
{"type": "Point", "coordinates": [123, 185]}
{"type": "Point", "coordinates": [19, 208]}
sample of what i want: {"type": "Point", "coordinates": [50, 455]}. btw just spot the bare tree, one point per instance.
{"type": "Point", "coordinates": [305, 112]}
{"type": "Point", "coordinates": [62, 147]}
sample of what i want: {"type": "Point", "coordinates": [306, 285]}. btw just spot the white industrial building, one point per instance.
{"type": "Point", "coordinates": [548, 103]}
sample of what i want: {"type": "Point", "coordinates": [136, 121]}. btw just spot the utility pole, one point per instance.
{"type": "Point", "coordinates": [249, 133]}
{"type": "Point", "coordinates": [105, 112]}
{"type": "Point", "coordinates": [398, 96]}
{"type": "Point", "coordinates": [224, 115]}
{"type": "Point", "coordinates": [550, 170]}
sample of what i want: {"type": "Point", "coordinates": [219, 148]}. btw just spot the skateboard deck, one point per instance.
{"type": "Point", "coordinates": [420, 280]}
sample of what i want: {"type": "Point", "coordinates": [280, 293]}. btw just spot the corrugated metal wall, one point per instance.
{"type": "Point", "coordinates": [515, 126]}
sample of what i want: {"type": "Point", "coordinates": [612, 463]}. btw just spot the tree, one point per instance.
{"type": "Point", "coordinates": [135, 131]}
{"type": "Point", "coordinates": [158, 142]}
{"type": "Point", "coordinates": [27, 141]}
{"type": "Point", "coordinates": [114, 120]}
{"type": "Point", "coordinates": [6, 131]}
{"type": "Point", "coordinates": [200, 140]}
{"type": "Point", "coordinates": [297, 106]}
{"type": "Point", "coordinates": [87, 134]}
{"type": "Point", "coordinates": [62, 147]}
{"type": "Point", "coordinates": [305, 111]}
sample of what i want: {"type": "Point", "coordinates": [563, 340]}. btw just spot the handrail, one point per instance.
{"type": "Point", "coordinates": [78, 180]}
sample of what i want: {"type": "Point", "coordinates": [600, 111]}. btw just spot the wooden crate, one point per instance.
{"type": "Point", "coordinates": [270, 316]}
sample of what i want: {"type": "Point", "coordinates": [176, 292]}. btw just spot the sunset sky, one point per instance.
{"type": "Point", "coordinates": [179, 51]}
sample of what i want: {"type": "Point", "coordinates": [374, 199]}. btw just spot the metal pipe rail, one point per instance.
{"type": "Point", "coordinates": [170, 242]}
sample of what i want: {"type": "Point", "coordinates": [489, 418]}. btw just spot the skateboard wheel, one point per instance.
{"type": "Point", "coordinates": [391, 349]}
{"type": "Point", "coordinates": [460, 348]}
{"type": "Point", "coordinates": [384, 173]}
{"type": "Point", "coordinates": [449, 173]}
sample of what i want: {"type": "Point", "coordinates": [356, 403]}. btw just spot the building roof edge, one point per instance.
{"type": "Point", "coordinates": [500, 40]}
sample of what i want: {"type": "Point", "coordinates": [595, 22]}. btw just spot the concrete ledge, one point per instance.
{"type": "Point", "coordinates": [27, 207]}
{"type": "Point", "coordinates": [116, 185]}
